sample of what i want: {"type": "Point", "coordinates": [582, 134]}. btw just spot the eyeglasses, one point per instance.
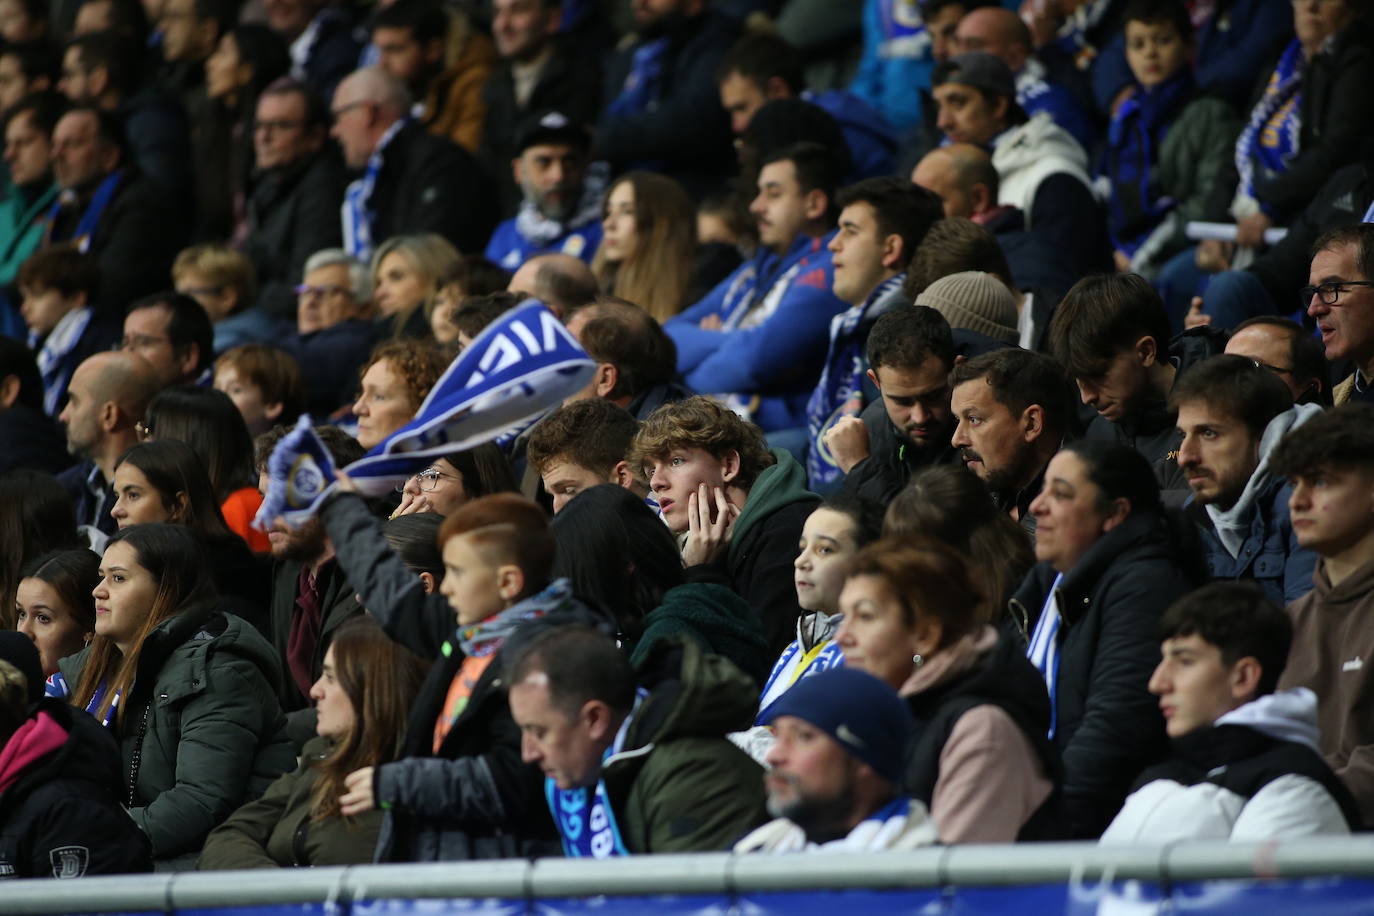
{"type": "Point", "coordinates": [307, 290]}
{"type": "Point", "coordinates": [278, 125]}
{"type": "Point", "coordinates": [1277, 370]}
{"type": "Point", "coordinates": [1329, 292]}
{"type": "Point", "coordinates": [342, 110]}
{"type": "Point", "coordinates": [429, 479]}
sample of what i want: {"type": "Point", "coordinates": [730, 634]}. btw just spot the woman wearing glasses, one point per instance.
{"type": "Point", "coordinates": [454, 479]}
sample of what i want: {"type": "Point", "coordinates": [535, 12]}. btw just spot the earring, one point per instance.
{"type": "Point", "coordinates": [917, 660]}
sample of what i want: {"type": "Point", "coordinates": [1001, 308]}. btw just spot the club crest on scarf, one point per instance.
{"type": "Point", "coordinates": [519, 366]}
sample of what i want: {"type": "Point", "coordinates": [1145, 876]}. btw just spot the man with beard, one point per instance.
{"type": "Point", "coordinates": [1013, 409]}
{"type": "Point", "coordinates": [1232, 413]}
{"type": "Point", "coordinates": [910, 355]}
{"type": "Point", "coordinates": [835, 767]}
{"type": "Point", "coordinates": [662, 112]}
{"type": "Point", "coordinates": [561, 209]}
{"type": "Point", "coordinates": [310, 596]}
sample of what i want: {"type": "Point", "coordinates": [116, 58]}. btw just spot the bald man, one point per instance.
{"type": "Point", "coordinates": [1000, 32]}
{"type": "Point", "coordinates": [965, 180]}
{"type": "Point", "coordinates": [411, 181]}
{"type": "Point", "coordinates": [560, 281]}
{"type": "Point", "coordinates": [106, 399]}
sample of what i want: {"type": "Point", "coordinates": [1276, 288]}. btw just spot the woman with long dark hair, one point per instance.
{"type": "Point", "coordinates": [189, 691]}
{"type": "Point", "coordinates": [164, 481]}
{"type": "Point", "coordinates": [362, 698]}
{"type": "Point", "coordinates": [53, 605]}
{"type": "Point", "coordinates": [36, 516]}
{"type": "Point", "coordinates": [207, 420]}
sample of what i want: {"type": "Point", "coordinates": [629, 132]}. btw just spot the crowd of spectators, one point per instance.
{"type": "Point", "coordinates": [978, 446]}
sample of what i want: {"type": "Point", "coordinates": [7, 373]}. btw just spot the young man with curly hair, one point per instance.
{"type": "Point", "coordinates": [736, 507]}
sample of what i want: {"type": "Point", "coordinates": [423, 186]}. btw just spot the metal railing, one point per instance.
{"type": "Point", "coordinates": [1072, 864]}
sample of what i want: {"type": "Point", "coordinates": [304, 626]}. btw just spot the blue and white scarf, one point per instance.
{"type": "Point", "coordinates": [584, 817]}
{"type": "Point", "coordinates": [52, 364]}
{"type": "Point", "coordinates": [785, 673]}
{"type": "Point", "coordinates": [540, 231]}
{"type": "Point", "coordinates": [90, 219]}
{"type": "Point", "coordinates": [842, 379]}
{"type": "Point", "coordinates": [904, 31]}
{"type": "Point", "coordinates": [356, 210]}
{"type": "Point", "coordinates": [644, 83]}
{"type": "Point", "coordinates": [1044, 645]}
{"type": "Point", "coordinates": [520, 365]}
{"type": "Point", "coordinates": [1271, 139]}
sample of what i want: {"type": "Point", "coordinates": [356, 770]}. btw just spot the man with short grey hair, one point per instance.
{"type": "Point", "coordinates": [333, 336]}
{"type": "Point", "coordinates": [409, 181]}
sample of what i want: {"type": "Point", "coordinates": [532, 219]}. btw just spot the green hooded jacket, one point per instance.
{"type": "Point", "coordinates": [681, 785]}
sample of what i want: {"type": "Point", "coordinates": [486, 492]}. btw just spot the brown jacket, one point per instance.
{"type": "Point", "coordinates": [1333, 654]}
{"type": "Point", "coordinates": [454, 108]}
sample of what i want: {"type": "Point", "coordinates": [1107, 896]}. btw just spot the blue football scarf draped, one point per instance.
{"type": "Point", "coordinates": [585, 819]}
{"type": "Point", "coordinates": [59, 343]}
{"type": "Point", "coordinates": [356, 210]}
{"type": "Point", "coordinates": [1133, 141]}
{"type": "Point", "coordinates": [902, 22]}
{"type": "Point", "coordinates": [521, 364]}
{"type": "Point", "coordinates": [644, 82]}
{"type": "Point", "coordinates": [842, 379]}
{"type": "Point", "coordinates": [1043, 651]}
{"type": "Point", "coordinates": [90, 219]}
{"type": "Point", "coordinates": [1271, 138]}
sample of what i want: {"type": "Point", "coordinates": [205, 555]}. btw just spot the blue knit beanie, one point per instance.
{"type": "Point", "coordinates": [859, 711]}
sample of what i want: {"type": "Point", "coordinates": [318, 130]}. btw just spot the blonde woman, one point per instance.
{"type": "Point", "coordinates": [648, 246]}
{"type": "Point", "coordinates": [407, 271]}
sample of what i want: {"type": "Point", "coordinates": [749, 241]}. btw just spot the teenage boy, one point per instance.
{"type": "Point", "coordinates": [461, 791]}
{"type": "Point", "coordinates": [1166, 145]}
{"type": "Point", "coordinates": [739, 508]}
{"type": "Point", "coordinates": [1245, 761]}
{"type": "Point", "coordinates": [635, 761]}
{"type": "Point", "coordinates": [1330, 464]}
{"type": "Point", "coordinates": [59, 287]}
{"type": "Point", "coordinates": [581, 445]}
{"type": "Point", "coordinates": [882, 221]}
{"type": "Point", "coordinates": [1232, 414]}
{"type": "Point", "coordinates": [1112, 336]}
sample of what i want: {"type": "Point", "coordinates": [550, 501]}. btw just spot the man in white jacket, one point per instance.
{"type": "Point", "coordinates": [834, 769]}
{"type": "Point", "coordinates": [1245, 761]}
{"type": "Point", "coordinates": [1042, 168]}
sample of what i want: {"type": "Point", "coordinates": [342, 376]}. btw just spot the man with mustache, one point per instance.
{"type": "Point", "coordinates": [835, 768]}
{"type": "Point", "coordinates": [1012, 409]}
{"type": "Point", "coordinates": [1232, 413]}
{"type": "Point", "coordinates": [910, 355]}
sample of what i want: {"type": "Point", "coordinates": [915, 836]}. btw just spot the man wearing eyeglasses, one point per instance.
{"type": "Point", "coordinates": [293, 207]}
{"type": "Point", "coordinates": [1340, 297]}
{"type": "Point", "coordinates": [333, 337]}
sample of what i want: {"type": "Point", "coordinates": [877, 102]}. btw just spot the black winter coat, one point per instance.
{"type": "Point", "coordinates": [569, 83]}
{"type": "Point", "coordinates": [293, 212]}
{"type": "Point", "coordinates": [892, 459]}
{"type": "Point", "coordinates": [1108, 724]}
{"type": "Point", "coordinates": [430, 184]}
{"type": "Point", "coordinates": [1336, 106]}
{"type": "Point", "coordinates": [685, 133]}
{"type": "Point", "coordinates": [62, 817]}
{"type": "Point", "coordinates": [134, 243]}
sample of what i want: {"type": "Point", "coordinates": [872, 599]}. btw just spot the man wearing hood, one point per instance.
{"type": "Point", "coordinates": [561, 207]}
{"type": "Point", "coordinates": [1041, 167]}
{"type": "Point", "coordinates": [1246, 762]}
{"type": "Point", "coordinates": [635, 760]}
{"type": "Point", "coordinates": [1231, 414]}
{"type": "Point", "coordinates": [1330, 465]}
